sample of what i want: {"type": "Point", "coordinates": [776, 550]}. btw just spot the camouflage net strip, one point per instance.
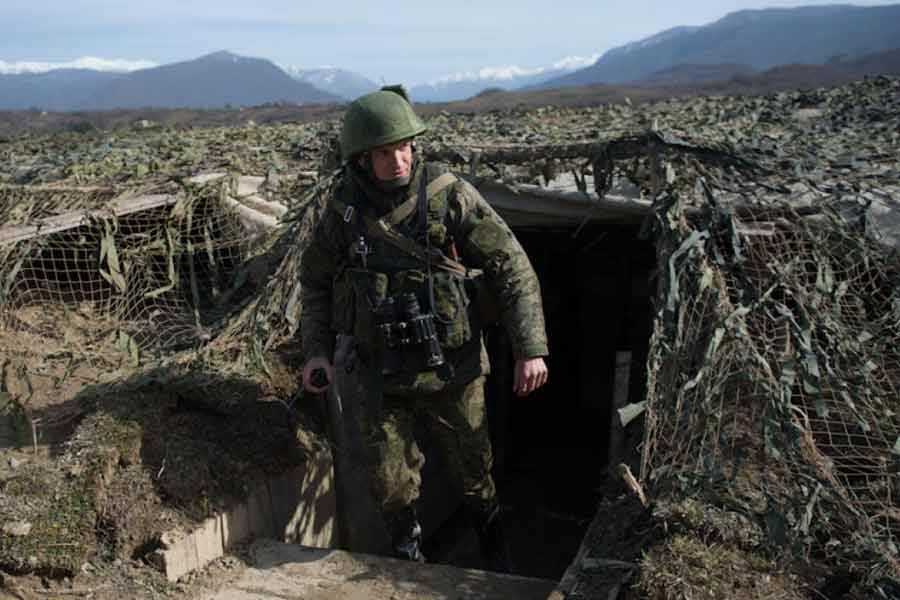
{"type": "Point", "coordinates": [773, 378]}
{"type": "Point", "coordinates": [270, 319]}
{"type": "Point", "coordinates": [20, 205]}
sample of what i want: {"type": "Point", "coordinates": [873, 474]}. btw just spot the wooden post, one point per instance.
{"type": "Point", "coordinates": [620, 399]}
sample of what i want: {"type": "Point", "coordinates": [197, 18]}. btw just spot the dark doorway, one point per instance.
{"type": "Point", "coordinates": [551, 448]}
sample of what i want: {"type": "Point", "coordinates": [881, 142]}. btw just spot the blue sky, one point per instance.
{"type": "Point", "coordinates": [396, 41]}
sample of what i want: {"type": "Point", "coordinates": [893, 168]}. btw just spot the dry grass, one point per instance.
{"type": "Point", "coordinates": [684, 567]}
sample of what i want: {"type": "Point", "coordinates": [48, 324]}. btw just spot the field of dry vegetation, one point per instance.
{"type": "Point", "coordinates": [137, 436]}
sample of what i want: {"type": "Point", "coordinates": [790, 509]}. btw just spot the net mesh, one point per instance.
{"type": "Point", "coordinates": [773, 375]}
{"type": "Point", "coordinates": [159, 272]}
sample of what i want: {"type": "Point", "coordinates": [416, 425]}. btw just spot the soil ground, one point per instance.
{"type": "Point", "coordinates": [284, 570]}
{"type": "Point", "coordinates": [98, 459]}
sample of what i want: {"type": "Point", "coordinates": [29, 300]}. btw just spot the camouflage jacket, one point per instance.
{"type": "Point", "coordinates": [331, 302]}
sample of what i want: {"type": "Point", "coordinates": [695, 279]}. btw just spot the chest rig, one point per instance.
{"type": "Point", "coordinates": [405, 284]}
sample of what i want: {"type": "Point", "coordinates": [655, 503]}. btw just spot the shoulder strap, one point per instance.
{"type": "Point", "coordinates": [440, 184]}
{"type": "Point", "coordinates": [399, 214]}
{"type": "Point", "coordinates": [384, 229]}
{"type": "Point", "coordinates": [435, 187]}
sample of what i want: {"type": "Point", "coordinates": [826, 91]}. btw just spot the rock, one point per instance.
{"type": "Point", "coordinates": [17, 528]}
{"type": "Point", "coordinates": [15, 463]}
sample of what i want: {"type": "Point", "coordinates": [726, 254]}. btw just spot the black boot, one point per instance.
{"type": "Point", "coordinates": [406, 534]}
{"type": "Point", "coordinates": [492, 538]}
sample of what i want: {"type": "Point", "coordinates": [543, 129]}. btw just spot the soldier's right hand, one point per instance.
{"type": "Point", "coordinates": [312, 374]}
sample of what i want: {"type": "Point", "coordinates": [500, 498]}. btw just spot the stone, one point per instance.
{"type": "Point", "coordinates": [17, 528]}
{"type": "Point", "coordinates": [208, 541]}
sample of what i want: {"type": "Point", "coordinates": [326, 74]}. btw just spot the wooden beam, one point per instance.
{"type": "Point", "coordinates": [526, 205]}
{"type": "Point", "coordinates": [59, 189]}
{"type": "Point", "coordinates": [620, 399]}
{"type": "Point", "coordinates": [124, 205]}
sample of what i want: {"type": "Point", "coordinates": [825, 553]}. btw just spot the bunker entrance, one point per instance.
{"type": "Point", "coordinates": [553, 449]}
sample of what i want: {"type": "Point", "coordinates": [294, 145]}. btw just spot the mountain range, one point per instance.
{"type": "Point", "coordinates": [212, 81]}
{"type": "Point", "coordinates": [216, 80]}
{"type": "Point", "coordinates": [56, 90]}
{"type": "Point", "coordinates": [839, 40]}
{"type": "Point", "coordinates": [758, 39]}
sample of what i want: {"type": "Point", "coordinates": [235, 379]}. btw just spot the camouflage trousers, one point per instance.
{"type": "Point", "coordinates": [455, 421]}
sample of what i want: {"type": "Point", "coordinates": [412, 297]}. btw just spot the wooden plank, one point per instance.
{"type": "Point", "coordinates": [534, 205]}
{"type": "Point", "coordinates": [59, 189]}
{"type": "Point", "coordinates": [120, 207]}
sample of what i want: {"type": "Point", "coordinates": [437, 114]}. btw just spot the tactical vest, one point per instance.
{"type": "Point", "coordinates": [377, 269]}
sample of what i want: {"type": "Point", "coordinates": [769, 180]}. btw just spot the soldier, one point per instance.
{"type": "Point", "coordinates": [395, 262]}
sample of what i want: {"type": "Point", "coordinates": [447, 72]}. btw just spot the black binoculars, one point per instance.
{"type": "Point", "coordinates": [407, 338]}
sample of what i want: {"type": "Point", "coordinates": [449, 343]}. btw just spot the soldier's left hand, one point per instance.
{"type": "Point", "coordinates": [530, 374]}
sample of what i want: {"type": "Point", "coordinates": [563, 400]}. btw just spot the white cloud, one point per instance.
{"type": "Point", "coordinates": [87, 62]}
{"type": "Point", "coordinates": [508, 72]}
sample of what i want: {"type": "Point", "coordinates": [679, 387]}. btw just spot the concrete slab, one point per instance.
{"type": "Point", "coordinates": [290, 571]}
{"type": "Point", "coordinates": [304, 505]}
{"type": "Point", "coordinates": [208, 541]}
{"type": "Point", "coordinates": [182, 552]}
{"type": "Point", "coordinates": [236, 525]}
{"type": "Point", "coordinates": [176, 556]}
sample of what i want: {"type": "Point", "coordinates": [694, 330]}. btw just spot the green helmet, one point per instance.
{"type": "Point", "coordinates": [379, 118]}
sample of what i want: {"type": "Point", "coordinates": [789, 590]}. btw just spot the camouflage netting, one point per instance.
{"type": "Point", "coordinates": [157, 272]}
{"type": "Point", "coordinates": [774, 379]}
{"type": "Point", "coordinates": [773, 373]}
{"type": "Point", "coordinates": [110, 226]}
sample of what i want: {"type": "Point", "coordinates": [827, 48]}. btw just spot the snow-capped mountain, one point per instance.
{"type": "Point", "coordinates": [339, 82]}
{"type": "Point", "coordinates": [459, 86]}
{"type": "Point", "coordinates": [90, 63]}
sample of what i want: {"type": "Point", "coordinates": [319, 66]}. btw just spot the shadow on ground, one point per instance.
{"type": "Point", "coordinates": [156, 451]}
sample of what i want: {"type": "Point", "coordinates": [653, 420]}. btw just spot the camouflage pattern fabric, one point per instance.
{"type": "Point", "coordinates": [455, 420]}
{"type": "Point", "coordinates": [450, 407]}
{"type": "Point", "coordinates": [484, 241]}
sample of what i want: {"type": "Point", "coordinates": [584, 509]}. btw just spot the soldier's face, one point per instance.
{"type": "Point", "coordinates": [392, 161]}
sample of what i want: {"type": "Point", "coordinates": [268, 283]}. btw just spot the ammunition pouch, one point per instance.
{"type": "Point", "coordinates": [450, 303]}
{"type": "Point", "coordinates": [369, 290]}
